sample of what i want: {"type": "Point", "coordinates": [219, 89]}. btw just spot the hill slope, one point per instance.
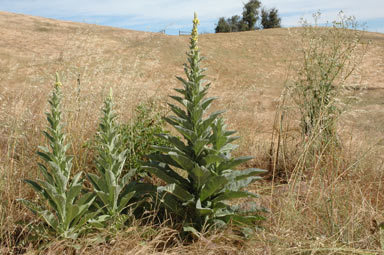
{"type": "Point", "coordinates": [247, 69]}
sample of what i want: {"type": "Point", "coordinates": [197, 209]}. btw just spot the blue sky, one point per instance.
{"type": "Point", "coordinates": [175, 15]}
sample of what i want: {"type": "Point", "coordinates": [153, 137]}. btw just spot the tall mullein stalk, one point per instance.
{"type": "Point", "coordinates": [200, 196]}
{"type": "Point", "coordinates": [113, 189]}
{"type": "Point", "coordinates": [66, 211]}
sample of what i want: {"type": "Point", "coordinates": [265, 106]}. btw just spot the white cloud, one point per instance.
{"type": "Point", "coordinates": [293, 10]}
{"type": "Point", "coordinates": [181, 11]}
{"type": "Point", "coordinates": [154, 9]}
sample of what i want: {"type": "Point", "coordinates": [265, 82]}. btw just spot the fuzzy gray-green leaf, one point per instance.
{"type": "Point", "coordinates": [214, 184]}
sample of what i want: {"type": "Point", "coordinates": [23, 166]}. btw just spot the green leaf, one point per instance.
{"type": "Point", "coordinates": [177, 191]}
{"type": "Point", "coordinates": [48, 176]}
{"type": "Point", "coordinates": [199, 145]}
{"type": "Point", "coordinates": [177, 121]}
{"type": "Point", "coordinates": [213, 185]}
{"type": "Point", "coordinates": [99, 221]}
{"type": "Point", "coordinates": [228, 195]}
{"type": "Point", "coordinates": [71, 213]}
{"type": "Point", "coordinates": [52, 196]}
{"type": "Point", "coordinates": [196, 114]}
{"type": "Point", "coordinates": [181, 91]}
{"type": "Point", "coordinates": [128, 176]}
{"type": "Point", "coordinates": [169, 201]}
{"type": "Point", "coordinates": [46, 156]}
{"type": "Point", "coordinates": [83, 219]}
{"type": "Point", "coordinates": [50, 219]}
{"type": "Point", "coordinates": [77, 178]}
{"type": "Point", "coordinates": [181, 100]}
{"type": "Point", "coordinates": [207, 102]}
{"type": "Point", "coordinates": [143, 189]}
{"type": "Point", "coordinates": [200, 175]}
{"type": "Point", "coordinates": [164, 172]}
{"type": "Point", "coordinates": [242, 174]}
{"type": "Point", "coordinates": [192, 230]}
{"type": "Point", "coordinates": [208, 122]}
{"type": "Point", "coordinates": [183, 161]}
{"type": "Point", "coordinates": [203, 211]}
{"type": "Point", "coordinates": [164, 149]}
{"type": "Point", "coordinates": [212, 158]}
{"type": "Point", "coordinates": [72, 194]}
{"type": "Point", "coordinates": [124, 201]}
{"type": "Point", "coordinates": [97, 182]}
{"type": "Point", "coordinates": [187, 133]}
{"type": "Point", "coordinates": [238, 185]}
{"type": "Point", "coordinates": [232, 163]}
{"type": "Point", "coordinates": [229, 133]}
{"type": "Point", "coordinates": [36, 209]}
{"type": "Point", "coordinates": [167, 159]}
{"type": "Point", "coordinates": [34, 185]}
{"type": "Point", "coordinates": [179, 112]}
{"type": "Point", "coordinates": [84, 203]}
{"type": "Point", "coordinates": [228, 147]}
{"type": "Point", "coordinates": [176, 142]}
{"type": "Point", "coordinates": [186, 84]}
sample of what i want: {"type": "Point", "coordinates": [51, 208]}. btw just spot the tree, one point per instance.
{"type": "Point", "coordinates": [222, 26]}
{"type": "Point", "coordinates": [270, 18]}
{"type": "Point", "coordinates": [251, 14]}
{"type": "Point", "coordinates": [234, 23]}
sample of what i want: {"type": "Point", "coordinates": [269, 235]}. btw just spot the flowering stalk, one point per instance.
{"type": "Point", "coordinates": [199, 197]}
{"type": "Point", "coordinates": [67, 211]}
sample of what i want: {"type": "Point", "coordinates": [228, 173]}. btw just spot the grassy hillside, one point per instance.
{"type": "Point", "coordinates": [248, 71]}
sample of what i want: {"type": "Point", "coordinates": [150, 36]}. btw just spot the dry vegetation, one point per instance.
{"type": "Point", "coordinates": [337, 210]}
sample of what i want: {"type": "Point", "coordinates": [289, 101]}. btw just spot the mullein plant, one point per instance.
{"type": "Point", "coordinates": [66, 211]}
{"type": "Point", "coordinates": [113, 189]}
{"type": "Point", "coordinates": [197, 167]}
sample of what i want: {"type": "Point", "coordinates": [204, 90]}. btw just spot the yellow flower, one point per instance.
{"type": "Point", "coordinates": [58, 83]}
{"type": "Point", "coordinates": [196, 20]}
{"type": "Point", "coordinates": [195, 33]}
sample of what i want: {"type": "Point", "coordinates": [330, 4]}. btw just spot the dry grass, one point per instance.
{"type": "Point", "coordinates": [335, 211]}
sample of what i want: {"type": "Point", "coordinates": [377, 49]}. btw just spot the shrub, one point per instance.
{"type": "Point", "coordinates": [139, 135]}
{"type": "Point", "coordinates": [67, 213]}
{"type": "Point", "coordinates": [198, 168]}
{"type": "Point", "coordinates": [328, 60]}
{"type": "Point", "coordinates": [330, 55]}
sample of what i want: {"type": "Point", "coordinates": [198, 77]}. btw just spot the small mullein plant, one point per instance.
{"type": "Point", "coordinates": [67, 209]}
{"type": "Point", "coordinates": [198, 168]}
{"type": "Point", "coordinates": [113, 189]}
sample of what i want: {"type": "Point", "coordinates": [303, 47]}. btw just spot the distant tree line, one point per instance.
{"type": "Point", "coordinates": [251, 15]}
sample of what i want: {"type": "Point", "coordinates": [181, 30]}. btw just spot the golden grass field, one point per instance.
{"type": "Point", "coordinates": [248, 71]}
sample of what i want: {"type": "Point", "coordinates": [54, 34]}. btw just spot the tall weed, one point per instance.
{"type": "Point", "coordinates": [197, 167]}
{"type": "Point", "coordinates": [113, 189]}
{"type": "Point", "coordinates": [67, 213]}
{"type": "Point", "coordinates": [317, 94]}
